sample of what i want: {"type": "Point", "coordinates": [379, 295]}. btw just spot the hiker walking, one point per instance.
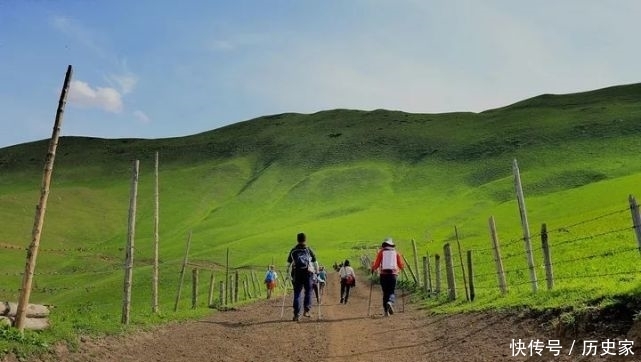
{"type": "Point", "coordinates": [388, 261]}
{"type": "Point", "coordinates": [270, 280]}
{"type": "Point", "coordinates": [348, 280]}
{"type": "Point", "coordinates": [322, 279]}
{"type": "Point", "coordinates": [301, 265]}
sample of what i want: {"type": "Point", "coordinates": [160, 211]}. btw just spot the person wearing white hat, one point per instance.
{"type": "Point", "coordinates": [389, 262]}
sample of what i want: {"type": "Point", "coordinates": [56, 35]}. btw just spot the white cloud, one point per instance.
{"type": "Point", "coordinates": [141, 116]}
{"type": "Point", "coordinates": [125, 82]}
{"type": "Point", "coordinates": [105, 98]}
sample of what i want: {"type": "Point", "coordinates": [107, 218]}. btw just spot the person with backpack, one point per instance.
{"type": "Point", "coordinates": [270, 280]}
{"type": "Point", "coordinates": [322, 279]}
{"type": "Point", "coordinates": [389, 262]}
{"type": "Point", "coordinates": [301, 265]}
{"type": "Point", "coordinates": [348, 280]}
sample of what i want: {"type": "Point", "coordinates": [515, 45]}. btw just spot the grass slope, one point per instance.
{"type": "Point", "coordinates": [347, 178]}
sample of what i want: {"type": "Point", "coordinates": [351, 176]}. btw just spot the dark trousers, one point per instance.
{"type": "Point", "coordinates": [388, 284]}
{"type": "Point", "coordinates": [302, 281]}
{"type": "Point", "coordinates": [344, 291]}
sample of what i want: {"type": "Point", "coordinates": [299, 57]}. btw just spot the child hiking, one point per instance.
{"type": "Point", "coordinates": [348, 280]}
{"type": "Point", "coordinates": [270, 280]}
{"type": "Point", "coordinates": [301, 265]}
{"type": "Point", "coordinates": [389, 261]}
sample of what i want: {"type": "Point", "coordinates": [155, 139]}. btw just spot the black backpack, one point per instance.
{"type": "Point", "coordinates": [302, 258]}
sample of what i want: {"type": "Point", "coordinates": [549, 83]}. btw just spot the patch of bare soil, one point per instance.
{"type": "Point", "coordinates": [345, 332]}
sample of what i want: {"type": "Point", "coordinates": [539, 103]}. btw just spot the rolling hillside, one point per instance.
{"type": "Point", "coordinates": [347, 178]}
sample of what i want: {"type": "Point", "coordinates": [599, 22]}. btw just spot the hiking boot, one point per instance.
{"type": "Point", "coordinates": [390, 308]}
{"type": "Point", "coordinates": [342, 300]}
{"type": "Point", "coordinates": [306, 314]}
{"type": "Point", "coordinates": [296, 318]}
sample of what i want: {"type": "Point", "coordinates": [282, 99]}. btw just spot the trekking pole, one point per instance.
{"type": "Point", "coordinates": [369, 300]}
{"type": "Point", "coordinates": [320, 301]}
{"type": "Point", "coordinates": [282, 307]}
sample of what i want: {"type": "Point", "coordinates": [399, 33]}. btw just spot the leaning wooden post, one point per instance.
{"type": "Point", "coordinates": [497, 256]}
{"type": "Point", "coordinates": [449, 270]}
{"type": "Point", "coordinates": [525, 225]}
{"type": "Point", "coordinates": [460, 255]}
{"type": "Point", "coordinates": [409, 267]}
{"type": "Point", "coordinates": [39, 218]}
{"type": "Point", "coordinates": [182, 272]}
{"type": "Point", "coordinates": [129, 252]}
{"type": "Point", "coordinates": [255, 284]}
{"type": "Point", "coordinates": [470, 274]}
{"type": "Point", "coordinates": [437, 266]}
{"type": "Point", "coordinates": [154, 285]}
{"type": "Point", "coordinates": [418, 274]}
{"type": "Point", "coordinates": [547, 257]}
{"type": "Point", "coordinates": [636, 219]}
{"type": "Point", "coordinates": [194, 288]}
{"type": "Point", "coordinates": [212, 281]}
{"type": "Point", "coordinates": [230, 289]}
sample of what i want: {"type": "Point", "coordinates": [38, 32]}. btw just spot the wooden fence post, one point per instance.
{"type": "Point", "coordinates": [427, 287]}
{"type": "Point", "coordinates": [470, 274]}
{"type": "Point", "coordinates": [437, 270]}
{"type": "Point", "coordinates": [255, 284]}
{"type": "Point", "coordinates": [212, 282]}
{"type": "Point", "coordinates": [418, 273]}
{"type": "Point", "coordinates": [497, 256]}
{"type": "Point", "coordinates": [36, 231]}
{"type": "Point", "coordinates": [547, 257]}
{"type": "Point", "coordinates": [230, 291]}
{"type": "Point", "coordinates": [449, 270]}
{"type": "Point", "coordinates": [228, 294]}
{"type": "Point", "coordinates": [249, 292]}
{"type": "Point", "coordinates": [129, 252]}
{"type": "Point", "coordinates": [221, 293]}
{"type": "Point", "coordinates": [636, 219]}
{"type": "Point", "coordinates": [236, 286]}
{"type": "Point", "coordinates": [525, 225]}
{"type": "Point", "coordinates": [182, 272]}
{"type": "Point", "coordinates": [460, 255]}
{"type": "Point", "coordinates": [154, 278]}
{"type": "Point", "coordinates": [194, 288]}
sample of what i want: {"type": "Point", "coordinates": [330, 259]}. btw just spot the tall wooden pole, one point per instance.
{"type": "Point", "coordinates": [525, 225]}
{"type": "Point", "coordinates": [32, 253]}
{"type": "Point", "coordinates": [129, 254]}
{"type": "Point", "coordinates": [154, 287]}
{"type": "Point", "coordinates": [182, 272]}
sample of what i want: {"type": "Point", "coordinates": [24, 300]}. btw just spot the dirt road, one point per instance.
{"type": "Point", "coordinates": [341, 333]}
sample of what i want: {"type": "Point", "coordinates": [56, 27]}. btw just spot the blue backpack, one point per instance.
{"type": "Point", "coordinates": [269, 277]}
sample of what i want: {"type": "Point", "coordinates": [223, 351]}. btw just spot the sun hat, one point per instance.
{"type": "Point", "coordinates": [388, 242]}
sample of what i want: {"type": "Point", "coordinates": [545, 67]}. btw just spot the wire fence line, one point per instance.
{"type": "Point", "coordinates": [585, 248]}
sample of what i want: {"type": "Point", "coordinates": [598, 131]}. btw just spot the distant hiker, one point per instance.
{"type": "Point", "coordinates": [270, 280]}
{"type": "Point", "coordinates": [348, 280]}
{"type": "Point", "coordinates": [322, 279]}
{"type": "Point", "coordinates": [390, 262]}
{"type": "Point", "coordinates": [301, 265]}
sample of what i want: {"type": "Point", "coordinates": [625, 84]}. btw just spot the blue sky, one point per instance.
{"type": "Point", "coordinates": [155, 69]}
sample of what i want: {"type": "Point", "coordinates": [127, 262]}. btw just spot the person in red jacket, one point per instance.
{"type": "Point", "coordinates": [389, 262]}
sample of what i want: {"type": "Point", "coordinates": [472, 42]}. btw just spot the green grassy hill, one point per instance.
{"type": "Point", "coordinates": [347, 178]}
